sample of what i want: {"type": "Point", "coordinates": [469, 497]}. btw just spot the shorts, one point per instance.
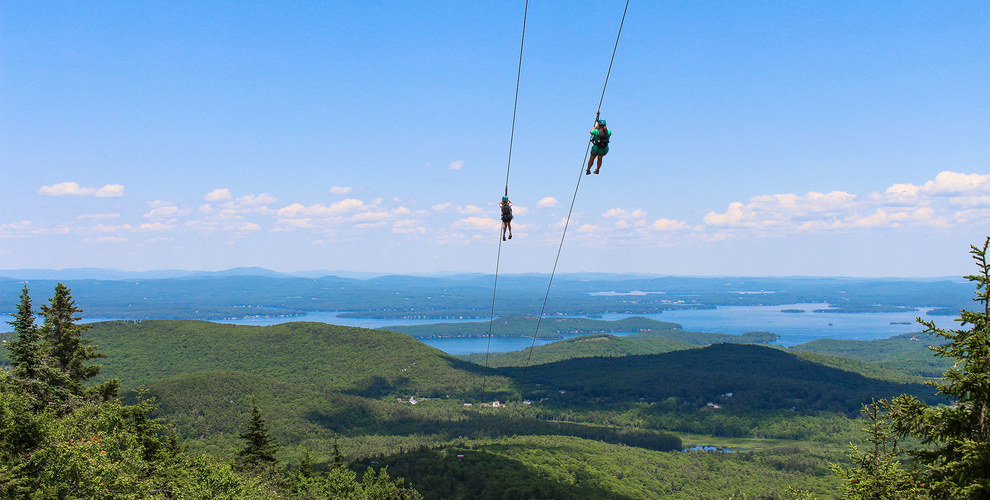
{"type": "Point", "coordinates": [507, 218]}
{"type": "Point", "coordinates": [597, 152]}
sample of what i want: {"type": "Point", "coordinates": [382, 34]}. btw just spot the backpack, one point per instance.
{"type": "Point", "coordinates": [601, 138]}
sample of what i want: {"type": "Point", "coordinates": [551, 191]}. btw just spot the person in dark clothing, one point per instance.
{"type": "Point", "coordinates": [506, 216]}
{"type": "Point", "coordinates": [600, 136]}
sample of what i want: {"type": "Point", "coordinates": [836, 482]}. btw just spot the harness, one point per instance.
{"type": "Point", "coordinates": [506, 209]}
{"type": "Point", "coordinates": [601, 138]}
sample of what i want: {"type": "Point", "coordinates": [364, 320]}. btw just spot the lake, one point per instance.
{"type": "Point", "coordinates": [793, 328]}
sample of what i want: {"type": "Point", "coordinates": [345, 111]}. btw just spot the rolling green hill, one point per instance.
{"type": "Point", "coordinates": [705, 338]}
{"type": "Point", "coordinates": [525, 326]}
{"type": "Point", "coordinates": [326, 357]}
{"type": "Point", "coordinates": [569, 467]}
{"type": "Point", "coordinates": [580, 347]}
{"type": "Point", "coordinates": [759, 378]}
{"type": "Point", "coordinates": [907, 353]}
{"type": "Point", "coordinates": [209, 408]}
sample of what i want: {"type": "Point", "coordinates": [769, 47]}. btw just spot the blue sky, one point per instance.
{"type": "Point", "coordinates": [750, 138]}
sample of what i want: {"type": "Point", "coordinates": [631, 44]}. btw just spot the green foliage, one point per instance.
{"type": "Point", "coordinates": [580, 347]}
{"type": "Point", "coordinates": [83, 443]}
{"type": "Point", "coordinates": [50, 363]}
{"type": "Point", "coordinates": [864, 368]}
{"type": "Point", "coordinates": [877, 473]}
{"type": "Point", "coordinates": [956, 461]}
{"type": "Point", "coordinates": [570, 467]}
{"type": "Point", "coordinates": [705, 338]}
{"type": "Point", "coordinates": [325, 357]}
{"type": "Point", "coordinates": [25, 350]}
{"type": "Point", "coordinates": [759, 378]}
{"type": "Point", "coordinates": [101, 450]}
{"type": "Point", "coordinates": [908, 353]}
{"type": "Point", "coordinates": [259, 449]}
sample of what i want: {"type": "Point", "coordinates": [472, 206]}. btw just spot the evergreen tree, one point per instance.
{"type": "Point", "coordinates": [877, 473]}
{"type": "Point", "coordinates": [63, 337]}
{"type": "Point", "coordinates": [65, 352]}
{"type": "Point", "coordinates": [956, 459]}
{"type": "Point", "coordinates": [260, 449]}
{"type": "Point", "coordinates": [25, 351]}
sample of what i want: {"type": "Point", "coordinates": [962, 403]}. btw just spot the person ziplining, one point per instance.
{"type": "Point", "coordinates": [600, 136]}
{"type": "Point", "coordinates": [506, 205]}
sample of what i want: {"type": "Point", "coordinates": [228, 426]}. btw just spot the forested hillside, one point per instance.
{"type": "Point", "coordinates": [327, 357]}
{"type": "Point", "coordinates": [754, 377]}
{"type": "Point", "coordinates": [908, 353]}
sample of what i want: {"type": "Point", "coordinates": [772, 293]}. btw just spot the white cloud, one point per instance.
{"type": "Point", "coordinates": [973, 215]}
{"type": "Point", "coordinates": [470, 209]}
{"type": "Point", "coordinates": [970, 201]}
{"type": "Point", "coordinates": [252, 200]}
{"type": "Point", "coordinates": [340, 207]}
{"type": "Point", "coordinates": [248, 226]}
{"type": "Point", "coordinates": [293, 223]}
{"type": "Point", "coordinates": [587, 228]}
{"type": "Point", "coordinates": [110, 191]}
{"type": "Point", "coordinates": [73, 189]}
{"type": "Point", "coordinates": [111, 229]}
{"type": "Point", "coordinates": [378, 215]}
{"type": "Point", "coordinates": [948, 182]}
{"type": "Point", "coordinates": [104, 216]}
{"type": "Point", "coordinates": [776, 209]}
{"type": "Point", "coordinates": [155, 227]}
{"type": "Point", "coordinates": [371, 225]}
{"type": "Point", "coordinates": [621, 213]}
{"type": "Point", "coordinates": [441, 206]}
{"type": "Point", "coordinates": [408, 226]}
{"type": "Point", "coordinates": [668, 225]}
{"type": "Point", "coordinates": [478, 223]}
{"type": "Point", "coordinates": [218, 195]}
{"type": "Point", "coordinates": [899, 205]}
{"type": "Point", "coordinates": [108, 239]}
{"type": "Point", "coordinates": [547, 202]}
{"type": "Point", "coordinates": [163, 209]}
{"type": "Point", "coordinates": [456, 165]}
{"type": "Point", "coordinates": [401, 211]}
{"type": "Point", "coordinates": [519, 210]}
{"type": "Point", "coordinates": [340, 189]}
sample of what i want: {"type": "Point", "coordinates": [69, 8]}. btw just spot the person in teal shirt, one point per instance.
{"type": "Point", "coordinates": [600, 136]}
{"type": "Point", "coordinates": [506, 216]}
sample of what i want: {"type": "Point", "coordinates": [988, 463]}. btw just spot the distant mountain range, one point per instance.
{"type": "Point", "coordinates": [96, 273]}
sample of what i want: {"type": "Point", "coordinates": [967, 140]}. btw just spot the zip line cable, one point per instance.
{"type": "Point", "coordinates": [567, 221]}
{"type": "Point", "coordinates": [508, 165]}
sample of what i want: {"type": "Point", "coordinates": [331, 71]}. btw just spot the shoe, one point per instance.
{"type": "Point", "coordinates": [596, 171]}
{"type": "Point", "coordinates": [510, 236]}
{"type": "Point", "coordinates": [587, 172]}
{"type": "Point", "coordinates": [503, 237]}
